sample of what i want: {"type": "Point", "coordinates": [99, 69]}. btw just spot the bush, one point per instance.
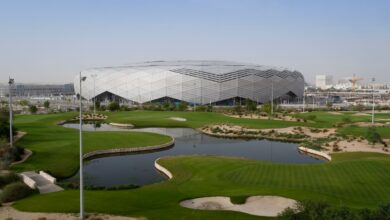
{"type": "Point", "coordinates": [15, 191]}
{"type": "Point", "coordinates": [373, 136]}
{"type": "Point", "coordinates": [113, 106]}
{"type": "Point", "coordinates": [46, 104]}
{"type": "Point", "coordinates": [33, 109]}
{"type": "Point", "coordinates": [8, 178]}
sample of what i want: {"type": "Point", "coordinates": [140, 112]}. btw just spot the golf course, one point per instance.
{"type": "Point", "coordinates": [354, 179]}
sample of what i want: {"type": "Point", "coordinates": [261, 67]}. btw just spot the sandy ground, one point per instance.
{"type": "Point", "coordinates": [255, 205]}
{"type": "Point", "coordinates": [319, 133]}
{"type": "Point", "coordinates": [257, 116]}
{"type": "Point", "coordinates": [356, 146]}
{"type": "Point", "coordinates": [11, 213]}
{"type": "Point", "coordinates": [368, 124]}
{"type": "Point", "coordinates": [178, 119]}
{"type": "Point", "coordinates": [313, 133]}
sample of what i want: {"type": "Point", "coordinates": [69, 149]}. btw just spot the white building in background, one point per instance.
{"type": "Point", "coordinates": [200, 82]}
{"type": "Point", "coordinates": [324, 81]}
{"type": "Point", "coordinates": [343, 84]}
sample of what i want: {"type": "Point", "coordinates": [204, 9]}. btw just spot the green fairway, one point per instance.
{"type": "Point", "coordinates": [194, 119]}
{"type": "Point", "coordinates": [356, 180]}
{"type": "Point", "coordinates": [55, 148]}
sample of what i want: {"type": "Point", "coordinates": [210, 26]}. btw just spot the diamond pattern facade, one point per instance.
{"type": "Point", "coordinates": [200, 82]}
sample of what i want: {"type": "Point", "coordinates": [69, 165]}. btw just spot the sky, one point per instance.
{"type": "Point", "coordinates": [45, 41]}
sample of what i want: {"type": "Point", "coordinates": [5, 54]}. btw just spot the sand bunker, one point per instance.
{"type": "Point", "coordinates": [11, 213]}
{"type": "Point", "coordinates": [269, 206]}
{"type": "Point", "coordinates": [178, 119]}
{"type": "Point", "coordinates": [335, 113]}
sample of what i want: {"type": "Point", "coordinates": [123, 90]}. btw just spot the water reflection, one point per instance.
{"type": "Point", "coordinates": [139, 169]}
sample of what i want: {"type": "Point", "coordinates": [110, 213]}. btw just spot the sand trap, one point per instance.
{"type": "Point", "coordinates": [361, 114]}
{"type": "Point", "coordinates": [122, 125]}
{"type": "Point", "coordinates": [269, 206]}
{"type": "Point", "coordinates": [9, 212]}
{"type": "Point", "coordinates": [178, 119]}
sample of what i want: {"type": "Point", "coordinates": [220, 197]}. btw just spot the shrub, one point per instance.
{"type": "Point", "coordinates": [15, 191]}
{"type": "Point", "coordinates": [113, 106]}
{"type": "Point", "coordinates": [373, 136]}
{"type": "Point", "coordinates": [8, 178]}
{"type": "Point", "coordinates": [33, 109]}
{"type": "Point", "coordinates": [46, 104]}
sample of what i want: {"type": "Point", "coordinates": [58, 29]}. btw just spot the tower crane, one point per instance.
{"type": "Point", "coordinates": [354, 81]}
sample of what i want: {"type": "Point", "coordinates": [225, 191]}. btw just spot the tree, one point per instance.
{"type": "Point", "coordinates": [266, 107]}
{"type": "Point", "coordinates": [46, 104]}
{"type": "Point", "coordinates": [373, 136]}
{"type": "Point", "coordinates": [238, 109]}
{"type": "Point", "coordinates": [250, 105]}
{"type": "Point", "coordinates": [33, 109]}
{"type": "Point", "coordinates": [182, 106]}
{"type": "Point", "coordinates": [4, 124]}
{"type": "Point", "coordinates": [113, 106]}
{"type": "Point", "coordinates": [24, 102]}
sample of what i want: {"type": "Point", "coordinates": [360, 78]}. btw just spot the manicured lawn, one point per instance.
{"type": "Point", "coordinates": [56, 149]}
{"type": "Point", "coordinates": [356, 180]}
{"type": "Point", "coordinates": [194, 119]}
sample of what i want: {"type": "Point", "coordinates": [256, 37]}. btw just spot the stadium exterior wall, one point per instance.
{"type": "Point", "coordinates": [199, 82]}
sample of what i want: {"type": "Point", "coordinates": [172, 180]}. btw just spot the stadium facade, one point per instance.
{"type": "Point", "coordinates": [195, 82]}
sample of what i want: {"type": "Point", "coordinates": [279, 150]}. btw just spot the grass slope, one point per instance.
{"type": "Point", "coordinates": [353, 179]}
{"type": "Point", "coordinates": [56, 148]}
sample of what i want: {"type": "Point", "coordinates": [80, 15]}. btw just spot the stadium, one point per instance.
{"type": "Point", "coordinates": [194, 82]}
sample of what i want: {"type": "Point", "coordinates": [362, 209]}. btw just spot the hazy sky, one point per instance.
{"type": "Point", "coordinates": [51, 41]}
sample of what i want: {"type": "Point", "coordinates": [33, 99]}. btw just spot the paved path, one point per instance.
{"type": "Point", "coordinates": [43, 185]}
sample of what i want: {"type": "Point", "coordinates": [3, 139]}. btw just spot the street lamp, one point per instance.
{"type": "Point", "coordinates": [94, 95]}
{"type": "Point", "coordinates": [373, 103]}
{"type": "Point", "coordinates": [303, 101]}
{"type": "Point", "coordinates": [10, 83]}
{"type": "Point", "coordinates": [272, 97]}
{"type": "Point", "coordinates": [81, 153]}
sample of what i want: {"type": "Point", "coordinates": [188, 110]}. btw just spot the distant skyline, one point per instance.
{"type": "Point", "coordinates": [46, 41]}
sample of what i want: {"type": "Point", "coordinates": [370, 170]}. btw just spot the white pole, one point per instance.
{"type": "Point", "coordinates": [11, 141]}
{"type": "Point", "coordinates": [94, 95]}
{"type": "Point", "coordinates": [81, 157]}
{"type": "Point", "coordinates": [373, 103]}
{"type": "Point", "coordinates": [303, 101]}
{"type": "Point", "coordinates": [272, 97]}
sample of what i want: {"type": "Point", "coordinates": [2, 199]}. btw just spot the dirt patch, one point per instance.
{"type": "Point", "coordinates": [9, 212]}
{"type": "Point", "coordinates": [269, 206]}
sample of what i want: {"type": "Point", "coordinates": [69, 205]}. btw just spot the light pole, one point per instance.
{"type": "Point", "coordinates": [272, 97]}
{"type": "Point", "coordinates": [11, 138]}
{"type": "Point", "coordinates": [303, 101]}
{"type": "Point", "coordinates": [94, 95]}
{"type": "Point", "coordinates": [81, 153]}
{"type": "Point", "coordinates": [373, 103]}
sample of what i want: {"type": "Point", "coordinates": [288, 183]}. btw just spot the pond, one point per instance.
{"type": "Point", "coordinates": [138, 168]}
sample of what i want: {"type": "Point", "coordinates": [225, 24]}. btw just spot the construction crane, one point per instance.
{"type": "Point", "coordinates": [354, 81]}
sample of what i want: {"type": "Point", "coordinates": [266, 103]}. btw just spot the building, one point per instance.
{"type": "Point", "coordinates": [42, 90]}
{"type": "Point", "coordinates": [195, 82]}
{"type": "Point", "coordinates": [324, 81]}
